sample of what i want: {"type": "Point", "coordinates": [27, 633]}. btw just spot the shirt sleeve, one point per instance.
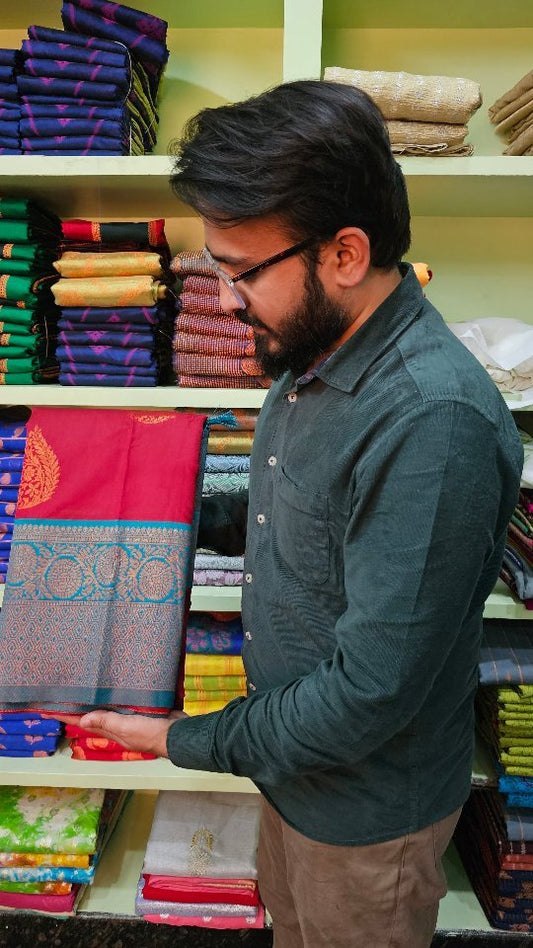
{"type": "Point", "coordinates": [422, 550]}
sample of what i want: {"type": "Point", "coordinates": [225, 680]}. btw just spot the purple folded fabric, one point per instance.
{"type": "Point", "coordinates": [143, 34]}
{"type": "Point", "coordinates": [47, 34]}
{"type": "Point", "coordinates": [71, 128]}
{"type": "Point", "coordinates": [93, 92]}
{"type": "Point", "coordinates": [8, 90]}
{"type": "Point", "coordinates": [99, 314]}
{"type": "Point", "coordinates": [109, 355]}
{"type": "Point", "coordinates": [83, 144]}
{"type": "Point", "coordinates": [115, 381]}
{"type": "Point", "coordinates": [72, 152]}
{"type": "Point", "coordinates": [72, 110]}
{"type": "Point", "coordinates": [75, 54]}
{"type": "Point", "coordinates": [6, 73]}
{"type": "Point", "coordinates": [9, 128]}
{"type": "Point", "coordinates": [103, 338]}
{"type": "Point", "coordinates": [70, 328]}
{"type": "Point", "coordinates": [89, 368]}
{"type": "Point", "coordinates": [9, 110]}
{"type": "Point", "coordinates": [10, 151]}
{"type": "Point", "coordinates": [120, 76]}
{"type": "Point", "coordinates": [8, 57]}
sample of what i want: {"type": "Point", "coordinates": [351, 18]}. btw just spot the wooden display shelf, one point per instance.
{"type": "Point", "coordinates": [162, 396]}
{"type": "Point", "coordinates": [60, 770]}
{"type": "Point", "coordinates": [482, 185]}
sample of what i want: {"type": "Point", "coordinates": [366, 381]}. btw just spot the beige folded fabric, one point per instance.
{"type": "Point", "coordinates": [427, 133]}
{"type": "Point", "coordinates": [517, 130]}
{"type": "Point", "coordinates": [436, 151]}
{"type": "Point", "coordinates": [117, 263]}
{"type": "Point", "coordinates": [523, 85]}
{"type": "Point", "coordinates": [523, 143]}
{"type": "Point", "coordinates": [403, 95]}
{"type": "Point", "coordinates": [513, 112]}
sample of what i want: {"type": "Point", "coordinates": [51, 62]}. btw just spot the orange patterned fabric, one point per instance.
{"type": "Point", "coordinates": [213, 345]}
{"type": "Point", "coordinates": [222, 381]}
{"type": "Point", "coordinates": [109, 291]}
{"type": "Point", "coordinates": [211, 325]}
{"type": "Point", "coordinates": [119, 263]}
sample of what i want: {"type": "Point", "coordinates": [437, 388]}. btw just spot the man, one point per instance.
{"type": "Point", "coordinates": [384, 472]}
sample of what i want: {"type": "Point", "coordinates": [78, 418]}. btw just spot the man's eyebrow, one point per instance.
{"type": "Point", "coordinates": [236, 262]}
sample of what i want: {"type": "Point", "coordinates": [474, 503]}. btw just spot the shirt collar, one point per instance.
{"type": "Point", "coordinates": [344, 367]}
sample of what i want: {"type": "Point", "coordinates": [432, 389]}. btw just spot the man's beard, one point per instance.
{"type": "Point", "coordinates": [307, 333]}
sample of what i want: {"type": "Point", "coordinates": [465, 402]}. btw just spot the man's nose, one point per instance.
{"type": "Point", "coordinates": [227, 300]}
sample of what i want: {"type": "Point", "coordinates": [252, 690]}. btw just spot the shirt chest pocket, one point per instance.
{"type": "Point", "coordinates": [301, 530]}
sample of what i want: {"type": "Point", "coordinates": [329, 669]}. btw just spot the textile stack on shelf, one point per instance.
{"type": "Point", "coordinates": [9, 103]}
{"type": "Point", "coordinates": [12, 446]}
{"type": "Point", "coordinates": [29, 238]}
{"type": "Point", "coordinates": [214, 670]}
{"type": "Point", "coordinates": [73, 95]}
{"type": "Point", "coordinates": [425, 115]}
{"type": "Point", "coordinates": [512, 114]}
{"type": "Point", "coordinates": [227, 471]}
{"type": "Point", "coordinates": [51, 839]}
{"type": "Point", "coordinates": [211, 348]}
{"type": "Point", "coordinates": [116, 307]}
{"type": "Point", "coordinates": [204, 873]}
{"type": "Point", "coordinates": [495, 833]}
{"type": "Point", "coordinates": [108, 507]}
{"type": "Point", "coordinates": [517, 566]}
{"type": "Point", "coordinates": [28, 734]}
{"type": "Point", "coordinates": [504, 347]}
{"type": "Point", "coordinates": [144, 36]}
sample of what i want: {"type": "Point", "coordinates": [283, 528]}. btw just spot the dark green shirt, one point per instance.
{"type": "Point", "coordinates": [380, 492]}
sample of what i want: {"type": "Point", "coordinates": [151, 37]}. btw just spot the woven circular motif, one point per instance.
{"type": "Point", "coordinates": [155, 579]}
{"type": "Point", "coordinates": [64, 577]}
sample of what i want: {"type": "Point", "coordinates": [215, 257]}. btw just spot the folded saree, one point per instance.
{"type": "Point", "coordinates": [215, 365]}
{"type": "Point", "coordinates": [30, 725]}
{"type": "Point", "coordinates": [102, 337]}
{"type": "Point", "coordinates": [28, 742]}
{"type": "Point", "coordinates": [146, 906]}
{"type": "Point", "coordinates": [31, 888]}
{"type": "Point", "coordinates": [402, 95]}
{"type": "Point", "coordinates": [84, 753]}
{"type": "Point", "coordinates": [116, 381]}
{"type": "Point", "coordinates": [49, 819]}
{"type": "Point", "coordinates": [200, 889]}
{"type": "Point", "coordinates": [217, 577]}
{"type": "Point", "coordinates": [151, 233]}
{"type": "Point", "coordinates": [191, 262]}
{"type": "Point", "coordinates": [50, 126]}
{"type": "Point", "coordinates": [32, 111]}
{"type": "Point", "coordinates": [224, 483]}
{"type": "Point", "coordinates": [222, 381]}
{"type": "Point", "coordinates": [226, 463]}
{"type": "Point", "coordinates": [213, 324]}
{"type": "Point", "coordinates": [213, 345]}
{"type": "Point", "coordinates": [212, 835]}
{"type": "Point", "coordinates": [119, 76]}
{"type": "Point", "coordinates": [211, 636]}
{"type": "Point", "coordinates": [219, 665]}
{"type": "Point", "coordinates": [210, 921]}
{"type": "Point", "coordinates": [73, 264]}
{"type": "Point", "coordinates": [16, 231]}
{"type": "Point", "coordinates": [230, 442]}
{"type": "Point", "coordinates": [90, 92]}
{"type": "Point", "coordinates": [42, 903]}
{"type": "Point", "coordinates": [213, 683]}
{"type": "Point", "coordinates": [108, 355]}
{"type": "Point", "coordinates": [85, 144]}
{"type": "Point", "coordinates": [71, 54]}
{"type": "Point", "coordinates": [124, 291]}
{"type": "Point", "coordinates": [28, 860]}
{"type": "Point", "coordinates": [143, 33]}
{"type": "Point", "coordinates": [47, 34]}
{"type": "Point", "coordinates": [108, 558]}
{"type": "Point", "coordinates": [100, 368]}
{"type": "Point", "coordinates": [90, 315]}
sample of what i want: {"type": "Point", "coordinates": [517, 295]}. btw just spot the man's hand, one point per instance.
{"type": "Point", "coordinates": [137, 732]}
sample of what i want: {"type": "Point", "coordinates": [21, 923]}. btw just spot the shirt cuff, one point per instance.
{"type": "Point", "coordinates": [190, 740]}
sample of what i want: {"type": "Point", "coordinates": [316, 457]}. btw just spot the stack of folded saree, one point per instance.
{"type": "Point", "coordinates": [214, 633]}
{"type": "Point", "coordinates": [512, 114]}
{"type": "Point", "coordinates": [51, 840]}
{"type": "Point", "coordinates": [12, 445]}
{"type": "Point", "coordinates": [211, 681]}
{"type": "Point", "coordinates": [495, 843]}
{"type": "Point", "coordinates": [517, 566]}
{"type": "Point", "coordinates": [214, 569]}
{"type": "Point", "coordinates": [425, 115]}
{"type": "Point", "coordinates": [28, 734]}
{"type": "Point", "coordinates": [29, 237]}
{"type": "Point", "coordinates": [211, 348]}
{"type": "Point", "coordinates": [85, 745]}
{"type": "Point", "coordinates": [204, 872]}
{"type": "Point", "coordinates": [73, 95]}
{"type": "Point", "coordinates": [115, 318]}
{"type": "Point", "coordinates": [9, 103]}
{"type": "Point", "coordinates": [143, 35]}
{"type": "Point", "coordinates": [99, 580]}
{"type": "Point", "coordinates": [505, 705]}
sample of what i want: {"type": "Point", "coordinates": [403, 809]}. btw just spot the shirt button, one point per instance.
{"type": "Point", "coordinates": [261, 518]}
{"type": "Point", "coordinates": [251, 686]}
{"type": "Point", "coordinates": [272, 460]}
{"type": "Point", "coordinates": [248, 578]}
{"type": "Point", "coordinates": [248, 635]}
{"type": "Point", "coordinates": [291, 397]}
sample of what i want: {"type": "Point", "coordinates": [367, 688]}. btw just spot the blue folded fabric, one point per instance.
{"type": "Point", "coordinates": [49, 68]}
{"type": "Point", "coordinates": [8, 495]}
{"type": "Point", "coordinates": [70, 152]}
{"type": "Point", "coordinates": [8, 57]}
{"type": "Point", "coordinates": [11, 462]}
{"type": "Point", "coordinates": [128, 26]}
{"type": "Point", "coordinates": [30, 742]}
{"type": "Point", "coordinates": [9, 91]}
{"type": "Point", "coordinates": [102, 314]}
{"type": "Point", "coordinates": [97, 368]}
{"type": "Point", "coordinates": [68, 51]}
{"type": "Point", "coordinates": [6, 73]}
{"type": "Point", "coordinates": [48, 34]}
{"type": "Point", "coordinates": [9, 127]}
{"type": "Point", "coordinates": [69, 327]}
{"type": "Point", "coordinates": [103, 338]}
{"type": "Point", "coordinates": [53, 109]}
{"type": "Point", "coordinates": [84, 144]}
{"type": "Point", "coordinates": [3, 510]}
{"type": "Point", "coordinates": [48, 127]}
{"type": "Point", "coordinates": [93, 92]}
{"type": "Point", "coordinates": [109, 355]}
{"type": "Point", "coordinates": [9, 110]}
{"type": "Point", "coordinates": [116, 381]}
{"type": "Point", "coordinates": [31, 724]}
{"type": "Point", "coordinates": [10, 151]}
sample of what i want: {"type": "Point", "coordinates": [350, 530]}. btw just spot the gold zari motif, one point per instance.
{"type": "Point", "coordinates": [41, 472]}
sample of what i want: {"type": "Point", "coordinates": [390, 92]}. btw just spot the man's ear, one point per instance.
{"type": "Point", "coordinates": [347, 258]}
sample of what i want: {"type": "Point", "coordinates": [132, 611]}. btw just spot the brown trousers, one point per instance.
{"type": "Point", "coordinates": [385, 895]}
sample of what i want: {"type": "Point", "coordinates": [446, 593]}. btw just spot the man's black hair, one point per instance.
{"type": "Point", "coordinates": [315, 154]}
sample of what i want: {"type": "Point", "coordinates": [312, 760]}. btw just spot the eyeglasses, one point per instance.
{"type": "Point", "coordinates": [230, 281]}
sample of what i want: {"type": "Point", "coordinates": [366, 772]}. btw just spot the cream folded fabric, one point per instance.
{"type": "Point", "coordinates": [428, 138]}
{"type": "Point", "coordinates": [403, 95]}
{"type": "Point", "coordinates": [523, 144]}
{"type": "Point", "coordinates": [119, 263]}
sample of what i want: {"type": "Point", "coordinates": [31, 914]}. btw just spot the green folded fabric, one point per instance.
{"type": "Point", "coordinates": [13, 316]}
{"type": "Point", "coordinates": [49, 819]}
{"type": "Point", "coordinates": [31, 252]}
{"type": "Point", "coordinates": [21, 289]}
{"type": "Point", "coordinates": [24, 378]}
